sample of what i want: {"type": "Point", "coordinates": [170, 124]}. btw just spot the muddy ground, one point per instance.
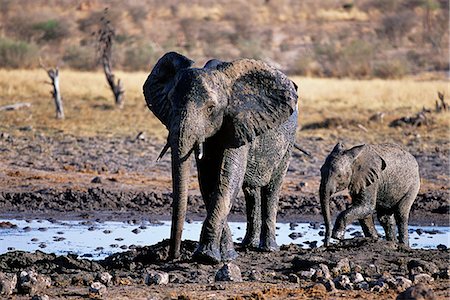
{"type": "Point", "coordinates": [66, 177]}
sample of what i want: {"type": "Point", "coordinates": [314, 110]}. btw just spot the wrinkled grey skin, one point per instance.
{"type": "Point", "coordinates": [382, 178]}
{"type": "Point", "coordinates": [239, 119]}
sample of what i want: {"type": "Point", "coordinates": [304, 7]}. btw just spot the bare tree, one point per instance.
{"type": "Point", "coordinates": [54, 77]}
{"type": "Point", "coordinates": [105, 40]}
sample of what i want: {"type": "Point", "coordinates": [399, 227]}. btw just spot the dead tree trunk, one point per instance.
{"type": "Point", "coordinates": [54, 77]}
{"type": "Point", "coordinates": [105, 39]}
{"type": "Point", "coordinates": [116, 88]}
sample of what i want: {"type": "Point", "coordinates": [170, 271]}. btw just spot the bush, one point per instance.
{"type": "Point", "coordinates": [80, 58]}
{"type": "Point", "coordinates": [390, 69]}
{"type": "Point", "coordinates": [52, 30]}
{"type": "Point", "coordinates": [139, 58]}
{"type": "Point", "coordinates": [17, 54]}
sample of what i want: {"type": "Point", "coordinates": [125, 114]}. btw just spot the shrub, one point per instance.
{"type": "Point", "coordinates": [80, 58]}
{"type": "Point", "coordinates": [390, 69]}
{"type": "Point", "coordinates": [139, 57]}
{"type": "Point", "coordinates": [17, 54]}
{"type": "Point", "coordinates": [52, 30]}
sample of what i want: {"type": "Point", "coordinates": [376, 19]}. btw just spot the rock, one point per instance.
{"type": "Point", "coordinates": [136, 231]}
{"type": "Point", "coordinates": [364, 285]}
{"type": "Point", "coordinates": [329, 285]}
{"type": "Point", "coordinates": [417, 266]}
{"type": "Point", "coordinates": [402, 283]}
{"type": "Point", "coordinates": [422, 278]}
{"type": "Point", "coordinates": [255, 275]}
{"type": "Point", "coordinates": [343, 282]}
{"type": "Point", "coordinates": [294, 278]}
{"type": "Point", "coordinates": [229, 272]}
{"type": "Point", "coordinates": [417, 292]}
{"type": "Point", "coordinates": [357, 277]}
{"type": "Point", "coordinates": [292, 226]}
{"type": "Point", "coordinates": [7, 225]}
{"type": "Point", "coordinates": [105, 278]}
{"type": "Point", "coordinates": [97, 288]}
{"type": "Point", "coordinates": [441, 247]}
{"type": "Point", "coordinates": [295, 235]}
{"type": "Point", "coordinates": [371, 271]}
{"type": "Point", "coordinates": [8, 283]}
{"type": "Point", "coordinates": [31, 282]}
{"type": "Point", "coordinates": [379, 286]}
{"type": "Point", "coordinates": [156, 278]}
{"type": "Point", "coordinates": [40, 297]}
{"type": "Point", "coordinates": [342, 267]}
{"type": "Point", "coordinates": [307, 274]}
{"type": "Point", "coordinates": [97, 180]}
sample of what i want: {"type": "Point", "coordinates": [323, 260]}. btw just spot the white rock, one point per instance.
{"type": "Point", "coordinates": [8, 283]}
{"type": "Point", "coordinates": [97, 288]}
{"type": "Point", "coordinates": [156, 278]}
{"type": "Point", "coordinates": [229, 272]}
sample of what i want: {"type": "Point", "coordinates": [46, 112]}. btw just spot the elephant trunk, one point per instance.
{"type": "Point", "coordinates": [181, 151]}
{"type": "Point", "coordinates": [325, 192]}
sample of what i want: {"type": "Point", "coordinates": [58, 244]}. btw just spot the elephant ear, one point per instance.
{"type": "Point", "coordinates": [161, 81]}
{"type": "Point", "coordinates": [366, 168]}
{"type": "Point", "coordinates": [259, 98]}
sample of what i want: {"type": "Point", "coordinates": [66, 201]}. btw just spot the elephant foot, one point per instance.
{"type": "Point", "coordinates": [338, 235]}
{"type": "Point", "coordinates": [250, 243]}
{"type": "Point", "coordinates": [269, 245]}
{"type": "Point", "coordinates": [207, 254]}
{"type": "Point", "coordinates": [229, 255]}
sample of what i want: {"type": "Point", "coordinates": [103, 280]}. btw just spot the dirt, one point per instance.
{"type": "Point", "coordinates": [66, 177]}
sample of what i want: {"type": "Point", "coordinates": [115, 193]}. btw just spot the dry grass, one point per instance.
{"type": "Point", "coordinates": [90, 111]}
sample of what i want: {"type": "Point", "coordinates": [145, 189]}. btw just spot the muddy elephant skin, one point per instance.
{"type": "Point", "coordinates": [382, 178]}
{"type": "Point", "coordinates": [239, 119]}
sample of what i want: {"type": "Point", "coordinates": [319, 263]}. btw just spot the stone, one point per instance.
{"type": "Point", "coordinates": [8, 283]}
{"type": "Point", "coordinates": [402, 283]}
{"type": "Point", "coordinates": [422, 278]}
{"type": "Point", "coordinates": [97, 180]}
{"type": "Point", "coordinates": [342, 267]}
{"type": "Point", "coordinates": [307, 274]}
{"type": "Point", "coordinates": [105, 278]}
{"type": "Point", "coordinates": [97, 288]}
{"type": "Point", "coordinates": [357, 277]}
{"type": "Point", "coordinates": [156, 278]}
{"type": "Point", "coordinates": [379, 286]}
{"type": "Point", "coordinates": [229, 272]}
{"type": "Point", "coordinates": [40, 297]}
{"type": "Point", "coordinates": [364, 285]}
{"type": "Point", "coordinates": [329, 285]}
{"type": "Point", "coordinates": [417, 292]}
{"type": "Point", "coordinates": [343, 282]}
{"type": "Point", "coordinates": [255, 275]}
{"type": "Point", "coordinates": [371, 271]}
{"type": "Point", "coordinates": [417, 266]}
{"type": "Point", "coordinates": [32, 283]}
{"type": "Point", "coordinates": [294, 278]}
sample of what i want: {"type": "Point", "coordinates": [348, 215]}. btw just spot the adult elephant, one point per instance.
{"type": "Point", "coordinates": [240, 119]}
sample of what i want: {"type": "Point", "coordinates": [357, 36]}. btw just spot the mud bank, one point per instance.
{"type": "Point", "coordinates": [370, 269]}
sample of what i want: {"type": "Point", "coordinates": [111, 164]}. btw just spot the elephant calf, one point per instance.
{"type": "Point", "coordinates": [382, 178]}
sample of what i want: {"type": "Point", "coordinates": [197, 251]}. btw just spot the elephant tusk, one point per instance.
{"type": "Point", "coordinates": [200, 151]}
{"type": "Point", "coordinates": [163, 151]}
{"type": "Point", "coordinates": [302, 150]}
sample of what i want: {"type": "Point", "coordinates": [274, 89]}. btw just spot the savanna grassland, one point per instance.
{"type": "Point", "coordinates": [90, 110]}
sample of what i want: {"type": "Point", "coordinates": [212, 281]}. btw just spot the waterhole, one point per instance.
{"type": "Point", "coordinates": [96, 240]}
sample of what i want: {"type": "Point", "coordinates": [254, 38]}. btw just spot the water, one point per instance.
{"type": "Point", "coordinates": [98, 240]}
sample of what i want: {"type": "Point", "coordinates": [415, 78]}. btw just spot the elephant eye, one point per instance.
{"type": "Point", "coordinates": [210, 108]}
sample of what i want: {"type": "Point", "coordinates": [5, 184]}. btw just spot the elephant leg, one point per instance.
{"type": "Point", "coordinates": [231, 176]}
{"type": "Point", "coordinates": [226, 244]}
{"type": "Point", "coordinates": [368, 227]}
{"type": "Point", "coordinates": [387, 220]}
{"type": "Point", "coordinates": [362, 207]}
{"type": "Point", "coordinates": [269, 206]}
{"type": "Point", "coordinates": [253, 210]}
{"type": "Point", "coordinates": [402, 215]}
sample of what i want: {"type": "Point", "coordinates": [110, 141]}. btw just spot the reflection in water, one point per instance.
{"type": "Point", "coordinates": [98, 240]}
